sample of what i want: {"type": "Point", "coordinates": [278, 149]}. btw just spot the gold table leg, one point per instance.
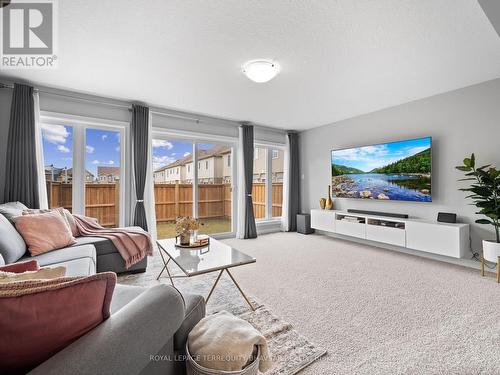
{"type": "Point", "coordinates": [498, 270]}
{"type": "Point", "coordinates": [241, 291]}
{"type": "Point", "coordinates": [213, 287]}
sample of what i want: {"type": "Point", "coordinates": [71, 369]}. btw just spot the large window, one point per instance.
{"type": "Point", "coordinates": [176, 172]}
{"type": "Point", "coordinates": [267, 191]}
{"type": "Point", "coordinates": [83, 159]}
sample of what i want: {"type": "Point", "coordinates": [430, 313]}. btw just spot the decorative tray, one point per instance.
{"type": "Point", "coordinates": [205, 241]}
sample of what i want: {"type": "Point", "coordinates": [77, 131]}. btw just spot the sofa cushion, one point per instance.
{"type": "Point", "coordinates": [41, 317]}
{"type": "Point", "coordinates": [12, 245]}
{"type": "Point", "coordinates": [44, 232]}
{"type": "Point", "coordinates": [12, 209]}
{"type": "Point", "coordinates": [18, 267]}
{"type": "Point", "coordinates": [102, 245]}
{"type": "Point", "coordinates": [64, 255]}
{"type": "Point", "coordinates": [78, 267]}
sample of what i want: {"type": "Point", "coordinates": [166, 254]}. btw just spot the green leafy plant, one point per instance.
{"type": "Point", "coordinates": [484, 191]}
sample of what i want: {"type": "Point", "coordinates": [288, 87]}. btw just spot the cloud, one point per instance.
{"type": "Point", "coordinates": [63, 149]}
{"type": "Point", "coordinates": [90, 149]}
{"type": "Point", "coordinates": [56, 134]}
{"type": "Point", "coordinates": [187, 154]}
{"type": "Point", "coordinates": [157, 143]}
{"type": "Point", "coordinates": [104, 137]}
{"type": "Point", "coordinates": [117, 148]}
{"type": "Point", "coordinates": [99, 162]}
{"type": "Point", "coordinates": [161, 161]}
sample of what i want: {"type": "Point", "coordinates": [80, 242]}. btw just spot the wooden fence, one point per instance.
{"type": "Point", "coordinates": [171, 200]}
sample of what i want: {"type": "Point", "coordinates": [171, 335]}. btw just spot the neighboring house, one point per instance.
{"type": "Point", "coordinates": [108, 175]}
{"type": "Point", "coordinates": [173, 173]}
{"type": "Point", "coordinates": [64, 175]}
{"type": "Point", "coordinates": [210, 168]}
{"type": "Point", "coordinates": [260, 165]}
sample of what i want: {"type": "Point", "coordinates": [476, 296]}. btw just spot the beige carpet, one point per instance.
{"type": "Point", "coordinates": [376, 311]}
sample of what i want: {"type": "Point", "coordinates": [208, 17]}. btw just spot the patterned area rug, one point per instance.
{"type": "Point", "coordinates": [291, 351]}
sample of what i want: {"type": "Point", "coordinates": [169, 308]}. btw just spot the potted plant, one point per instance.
{"type": "Point", "coordinates": [485, 193]}
{"type": "Point", "coordinates": [183, 228]}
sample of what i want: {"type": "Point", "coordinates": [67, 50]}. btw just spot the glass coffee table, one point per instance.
{"type": "Point", "coordinates": [214, 257]}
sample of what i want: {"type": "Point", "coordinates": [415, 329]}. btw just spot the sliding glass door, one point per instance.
{"type": "Point", "coordinates": [193, 179]}
{"type": "Point", "coordinates": [83, 160]}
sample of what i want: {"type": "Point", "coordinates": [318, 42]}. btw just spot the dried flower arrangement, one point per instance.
{"type": "Point", "coordinates": [185, 224]}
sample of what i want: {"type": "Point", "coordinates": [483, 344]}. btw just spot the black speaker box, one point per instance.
{"type": "Point", "coordinates": [447, 217]}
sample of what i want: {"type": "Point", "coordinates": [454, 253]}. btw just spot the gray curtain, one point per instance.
{"type": "Point", "coordinates": [21, 175]}
{"type": "Point", "coordinates": [250, 230]}
{"type": "Point", "coordinates": [140, 136]}
{"type": "Point", "coordinates": [293, 181]}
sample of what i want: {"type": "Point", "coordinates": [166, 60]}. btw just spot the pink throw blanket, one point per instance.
{"type": "Point", "coordinates": [132, 244]}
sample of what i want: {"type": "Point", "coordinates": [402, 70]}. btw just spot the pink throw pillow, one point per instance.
{"type": "Point", "coordinates": [30, 265]}
{"type": "Point", "coordinates": [44, 232]}
{"type": "Point", "coordinates": [41, 317]}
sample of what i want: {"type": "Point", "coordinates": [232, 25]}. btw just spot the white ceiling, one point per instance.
{"type": "Point", "coordinates": [339, 58]}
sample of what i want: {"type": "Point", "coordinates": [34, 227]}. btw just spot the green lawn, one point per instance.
{"type": "Point", "coordinates": [209, 226]}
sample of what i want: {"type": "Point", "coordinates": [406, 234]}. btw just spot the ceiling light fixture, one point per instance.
{"type": "Point", "coordinates": [261, 71]}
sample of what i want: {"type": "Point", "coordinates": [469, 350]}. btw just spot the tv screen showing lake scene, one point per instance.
{"type": "Point", "coordinates": [388, 171]}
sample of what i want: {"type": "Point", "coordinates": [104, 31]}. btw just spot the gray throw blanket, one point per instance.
{"type": "Point", "coordinates": [132, 244]}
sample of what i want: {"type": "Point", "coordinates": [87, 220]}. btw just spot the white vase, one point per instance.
{"type": "Point", "coordinates": [491, 250]}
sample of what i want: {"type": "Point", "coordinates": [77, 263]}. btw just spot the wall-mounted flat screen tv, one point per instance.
{"type": "Point", "coordinates": [387, 171]}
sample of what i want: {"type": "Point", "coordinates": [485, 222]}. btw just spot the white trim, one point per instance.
{"type": "Point", "coordinates": [275, 145]}
{"type": "Point", "coordinates": [42, 185]}
{"type": "Point", "coordinates": [269, 184]}
{"type": "Point", "coordinates": [159, 133]}
{"type": "Point", "coordinates": [195, 182]}
{"type": "Point", "coordinates": [63, 119]}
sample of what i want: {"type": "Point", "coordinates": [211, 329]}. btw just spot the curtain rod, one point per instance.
{"type": "Point", "coordinates": [197, 120]}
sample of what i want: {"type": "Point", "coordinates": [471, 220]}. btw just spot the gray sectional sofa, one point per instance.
{"type": "Point", "coordinates": [148, 327]}
{"type": "Point", "coordinates": [88, 256]}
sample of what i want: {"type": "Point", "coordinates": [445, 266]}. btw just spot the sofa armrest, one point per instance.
{"type": "Point", "coordinates": [123, 343]}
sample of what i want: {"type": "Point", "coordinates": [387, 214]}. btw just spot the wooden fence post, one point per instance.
{"type": "Point", "coordinates": [177, 196]}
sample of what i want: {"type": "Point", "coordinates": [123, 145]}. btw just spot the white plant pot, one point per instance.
{"type": "Point", "coordinates": [491, 250]}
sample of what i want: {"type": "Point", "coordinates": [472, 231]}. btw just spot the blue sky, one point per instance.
{"type": "Point", "coordinates": [369, 157]}
{"type": "Point", "coordinates": [102, 147]}
{"type": "Point", "coordinates": [166, 152]}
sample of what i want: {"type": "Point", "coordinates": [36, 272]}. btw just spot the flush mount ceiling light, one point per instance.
{"type": "Point", "coordinates": [261, 71]}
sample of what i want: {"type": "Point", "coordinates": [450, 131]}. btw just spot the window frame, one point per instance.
{"type": "Point", "coordinates": [269, 147]}
{"type": "Point", "coordinates": [197, 138]}
{"type": "Point", "coordinates": [80, 124]}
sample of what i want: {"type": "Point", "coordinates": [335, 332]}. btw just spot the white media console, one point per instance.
{"type": "Point", "coordinates": [433, 237]}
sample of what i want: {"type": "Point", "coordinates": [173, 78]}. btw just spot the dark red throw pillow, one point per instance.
{"type": "Point", "coordinates": [30, 265]}
{"type": "Point", "coordinates": [41, 317]}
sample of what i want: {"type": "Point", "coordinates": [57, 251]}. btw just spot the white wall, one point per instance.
{"type": "Point", "coordinates": [460, 122]}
